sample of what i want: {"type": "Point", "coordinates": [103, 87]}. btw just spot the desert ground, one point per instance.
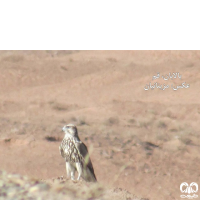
{"type": "Point", "coordinates": [142, 141]}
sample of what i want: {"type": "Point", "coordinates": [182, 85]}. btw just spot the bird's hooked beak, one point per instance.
{"type": "Point", "coordinates": [63, 129]}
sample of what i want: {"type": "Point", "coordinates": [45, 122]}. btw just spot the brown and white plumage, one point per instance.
{"type": "Point", "coordinates": [76, 155]}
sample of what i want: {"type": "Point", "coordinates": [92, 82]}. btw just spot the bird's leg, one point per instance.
{"type": "Point", "coordinates": [73, 174]}
{"type": "Point", "coordinates": [68, 169]}
{"type": "Point", "coordinates": [79, 169]}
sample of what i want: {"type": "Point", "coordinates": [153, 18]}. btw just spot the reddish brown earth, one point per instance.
{"type": "Point", "coordinates": [146, 142]}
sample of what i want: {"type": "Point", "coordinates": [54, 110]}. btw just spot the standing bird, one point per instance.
{"type": "Point", "coordinates": [76, 155]}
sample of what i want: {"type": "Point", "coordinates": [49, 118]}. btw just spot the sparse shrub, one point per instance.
{"type": "Point", "coordinates": [51, 102]}
{"type": "Point", "coordinates": [162, 136]}
{"type": "Point", "coordinates": [152, 111]}
{"type": "Point", "coordinates": [173, 130]}
{"type": "Point", "coordinates": [169, 113]}
{"type": "Point", "coordinates": [185, 137]}
{"type": "Point", "coordinates": [63, 121]}
{"type": "Point", "coordinates": [7, 140]}
{"type": "Point", "coordinates": [82, 121]}
{"type": "Point", "coordinates": [73, 119]}
{"type": "Point", "coordinates": [132, 121]}
{"type": "Point", "coordinates": [112, 59]}
{"type": "Point", "coordinates": [22, 132]}
{"type": "Point", "coordinates": [186, 140]}
{"type": "Point", "coordinates": [60, 107]}
{"type": "Point", "coordinates": [162, 124]}
{"type": "Point", "coordinates": [112, 121]}
{"type": "Point", "coordinates": [144, 124]}
{"type": "Point", "coordinates": [51, 138]}
{"type": "Point", "coordinates": [64, 68]}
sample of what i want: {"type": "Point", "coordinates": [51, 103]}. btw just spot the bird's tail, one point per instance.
{"type": "Point", "coordinates": [89, 176]}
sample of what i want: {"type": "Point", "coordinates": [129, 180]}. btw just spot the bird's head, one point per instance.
{"type": "Point", "coordinates": [70, 129]}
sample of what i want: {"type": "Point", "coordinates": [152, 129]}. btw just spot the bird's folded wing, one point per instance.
{"type": "Point", "coordinates": [84, 153]}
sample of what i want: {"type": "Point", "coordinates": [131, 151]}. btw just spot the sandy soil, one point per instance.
{"type": "Point", "coordinates": [146, 142]}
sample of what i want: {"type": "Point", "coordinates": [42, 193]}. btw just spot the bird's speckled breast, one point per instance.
{"type": "Point", "coordinates": [71, 153]}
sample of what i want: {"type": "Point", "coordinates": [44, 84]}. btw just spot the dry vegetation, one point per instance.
{"type": "Point", "coordinates": [15, 186]}
{"type": "Point", "coordinates": [144, 142]}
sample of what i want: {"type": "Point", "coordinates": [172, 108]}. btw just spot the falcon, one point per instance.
{"type": "Point", "coordinates": [76, 156]}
